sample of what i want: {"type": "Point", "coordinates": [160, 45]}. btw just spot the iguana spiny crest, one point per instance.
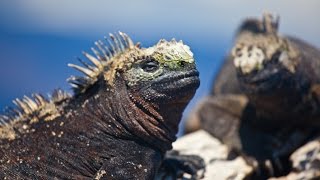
{"type": "Point", "coordinates": [31, 110]}
{"type": "Point", "coordinates": [126, 107]}
{"type": "Point", "coordinates": [123, 55]}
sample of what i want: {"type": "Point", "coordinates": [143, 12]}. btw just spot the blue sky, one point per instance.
{"type": "Point", "coordinates": [38, 38]}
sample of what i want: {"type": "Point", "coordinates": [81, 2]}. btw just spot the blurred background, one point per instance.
{"type": "Point", "coordinates": [38, 38]}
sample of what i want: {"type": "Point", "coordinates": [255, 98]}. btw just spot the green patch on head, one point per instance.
{"type": "Point", "coordinates": [122, 56]}
{"type": "Point", "coordinates": [171, 54]}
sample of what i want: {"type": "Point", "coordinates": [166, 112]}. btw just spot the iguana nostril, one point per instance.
{"type": "Point", "coordinates": [182, 64]}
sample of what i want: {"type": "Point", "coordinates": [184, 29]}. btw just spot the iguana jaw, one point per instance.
{"type": "Point", "coordinates": [176, 85]}
{"type": "Point", "coordinates": [267, 80]}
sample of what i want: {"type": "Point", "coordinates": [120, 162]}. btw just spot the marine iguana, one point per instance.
{"type": "Point", "coordinates": [119, 123]}
{"type": "Point", "coordinates": [265, 101]}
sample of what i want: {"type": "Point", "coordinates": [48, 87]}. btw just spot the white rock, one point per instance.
{"type": "Point", "coordinates": [215, 156]}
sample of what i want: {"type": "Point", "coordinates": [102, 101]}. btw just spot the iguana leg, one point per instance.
{"type": "Point", "coordinates": [178, 166]}
{"type": "Point", "coordinates": [305, 161]}
{"type": "Point", "coordinates": [283, 147]}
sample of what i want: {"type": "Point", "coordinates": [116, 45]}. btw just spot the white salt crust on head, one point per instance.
{"type": "Point", "coordinates": [247, 59]}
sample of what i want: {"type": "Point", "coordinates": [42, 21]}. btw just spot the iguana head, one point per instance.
{"type": "Point", "coordinates": [146, 89]}
{"type": "Point", "coordinates": [263, 59]}
{"type": "Point", "coordinates": [159, 74]}
{"type": "Point", "coordinates": [166, 73]}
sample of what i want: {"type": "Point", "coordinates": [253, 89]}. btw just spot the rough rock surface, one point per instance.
{"type": "Point", "coordinates": [305, 160]}
{"type": "Point", "coordinates": [215, 155]}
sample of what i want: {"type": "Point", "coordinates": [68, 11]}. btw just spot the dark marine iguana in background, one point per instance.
{"type": "Point", "coordinates": [265, 100]}
{"type": "Point", "coordinates": [118, 125]}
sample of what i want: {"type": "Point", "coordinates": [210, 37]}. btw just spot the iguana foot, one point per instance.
{"type": "Point", "coordinates": [177, 166]}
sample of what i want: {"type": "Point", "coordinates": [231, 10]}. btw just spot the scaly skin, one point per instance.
{"type": "Point", "coordinates": [265, 100]}
{"type": "Point", "coordinates": [118, 125]}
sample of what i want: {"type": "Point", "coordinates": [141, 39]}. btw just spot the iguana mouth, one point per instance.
{"type": "Point", "coordinates": [179, 76]}
{"type": "Point", "coordinates": [271, 76]}
{"type": "Point", "coordinates": [188, 81]}
{"type": "Point", "coordinates": [263, 80]}
{"type": "Point", "coordinates": [178, 81]}
{"type": "Point", "coordinates": [262, 76]}
{"type": "Point", "coordinates": [180, 87]}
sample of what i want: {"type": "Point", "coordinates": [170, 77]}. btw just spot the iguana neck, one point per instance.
{"type": "Point", "coordinates": [125, 115]}
{"type": "Point", "coordinates": [159, 122]}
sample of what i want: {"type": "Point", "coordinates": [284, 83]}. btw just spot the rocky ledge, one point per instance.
{"type": "Point", "coordinates": [305, 160]}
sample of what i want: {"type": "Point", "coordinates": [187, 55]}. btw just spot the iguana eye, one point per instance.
{"type": "Point", "coordinates": [150, 66]}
